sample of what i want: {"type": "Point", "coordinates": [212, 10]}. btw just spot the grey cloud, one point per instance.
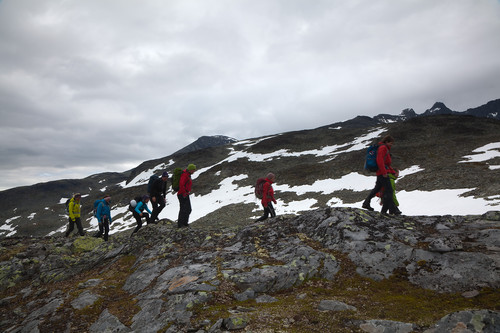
{"type": "Point", "coordinates": [106, 84]}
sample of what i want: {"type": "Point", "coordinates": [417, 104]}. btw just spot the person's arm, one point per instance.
{"type": "Point", "coordinates": [138, 206]}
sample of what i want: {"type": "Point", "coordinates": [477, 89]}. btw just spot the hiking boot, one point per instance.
{"type": "Point", "coordinates": [366, 205]}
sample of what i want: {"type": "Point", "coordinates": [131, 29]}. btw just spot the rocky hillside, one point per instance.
{"type": "Point", "coordinates": [328, 270]}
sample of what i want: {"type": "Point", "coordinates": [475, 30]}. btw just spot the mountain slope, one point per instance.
{"type": "Point", "coordinates": [314, 168]}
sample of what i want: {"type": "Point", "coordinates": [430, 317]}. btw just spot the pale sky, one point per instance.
{"type": "Point", "coordinates": [103, 85]}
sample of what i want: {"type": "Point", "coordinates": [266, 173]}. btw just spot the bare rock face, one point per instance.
{"type": "Point", "coordinates": [177, 280]}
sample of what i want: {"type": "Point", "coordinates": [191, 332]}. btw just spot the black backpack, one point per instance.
{"type": "Point", "coordinates": [66, 205]}
{"type": "Point", "coordinates": [151, 182]}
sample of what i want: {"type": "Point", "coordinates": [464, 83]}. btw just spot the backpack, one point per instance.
{"type": "Point", "coordinates": [176, 177]}
{"type": "Point", "coordinates": [96, 204]}
{"type": "Point", "coordinates": [259, 187]}
{"type": "Point", "coordinates": [66, 205]}
{"type": "Point", "coordinates": [133, 203]}
{"type": "Point", "coordinates": [371, 158]}
{"type": "Point", "coordinates": [151, 182]}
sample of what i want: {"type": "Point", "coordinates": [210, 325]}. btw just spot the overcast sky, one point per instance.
{"type": "Point", "coordinates": [102, 85]}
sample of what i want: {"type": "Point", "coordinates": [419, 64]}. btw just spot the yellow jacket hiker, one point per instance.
{"type": "Point", "coordinates": [74, 215]}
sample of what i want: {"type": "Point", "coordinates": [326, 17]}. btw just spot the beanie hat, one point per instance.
{"type": "Point", "coordinates": [144, 197]}
{"type": "Point", "coordinates": [270, 175]}
{"type": "Point", "coordinates": [191, 167]}
{"type": "Point", "coordinates": [164, 174]}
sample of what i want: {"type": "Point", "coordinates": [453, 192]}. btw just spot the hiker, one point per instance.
{"type": "Point", "coordinates": [74, 215]}
{"type": "Point", "coordinates": [157, 194]}
{"type": "Point", "coordinates": [183, 193]}
{"type": "Point", "coordinates": [383, 181]}
{"type": "Point", "coordinates": [139, 212]}
{"type": "Point", "coordinates": [268, 197]}
{"type": "Point", "coordinates": [103, 215]}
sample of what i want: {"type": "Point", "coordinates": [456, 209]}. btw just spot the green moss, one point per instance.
{"type": "Point", "coordinates": [86, 244]}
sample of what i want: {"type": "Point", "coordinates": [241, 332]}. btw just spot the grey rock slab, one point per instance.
{"type": "Point", "coordinates": [387, 326]}
{"type": "Point", "coordinates": [85, 299]}
{"type": "Point", "coordinates": [484, 321]}
{"type": "Point", "coordinates": [108, 323]}
{"type": "Point", "coordinates": [332, 305]}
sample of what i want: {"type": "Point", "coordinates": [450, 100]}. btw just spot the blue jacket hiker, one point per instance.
{"type": "Point", "coordinates": [103, 214]}
{"type": "Point", "coordinates": [139, 212]}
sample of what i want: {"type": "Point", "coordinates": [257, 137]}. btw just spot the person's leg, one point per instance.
{"type": "Point", "coordinates": [188, 211]}
{"type": "Point", "coordinates": [101, 229]}
{"type": "Point", "coordinates": [266, 214]}
{"type": "Point", "coordinates": [374, 191]}
{"type": "Point", "coordinates": [139, 222]}
{"type": "Point", "coordinates": [106, 228]}
{"type": "Point", "coordinates": [155, 204]}
{"type": "Point", "coordinates": [387, 198]}
{"type": "Point", "coordinates": [78, 222]}
{"type": "Point", "coordinates": [182, 211]}
{"type": "Point", "coordinates": [272, 212]}
{"type": "Point", "coordinates": [71, 226]}
{"type": "Point", "coordinates": [148, 218]}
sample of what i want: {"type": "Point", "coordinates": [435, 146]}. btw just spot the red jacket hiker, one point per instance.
{"type": "Point", "coordinates": [384, 160]}
{"type": "Point", "coordinates": [185, 184]}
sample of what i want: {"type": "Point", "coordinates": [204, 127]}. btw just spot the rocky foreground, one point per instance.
{"type": "Point", "coordinates": [329, 270]}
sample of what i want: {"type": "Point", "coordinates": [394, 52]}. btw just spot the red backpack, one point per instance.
{"type": "Point", "coordinates": [259, 187]}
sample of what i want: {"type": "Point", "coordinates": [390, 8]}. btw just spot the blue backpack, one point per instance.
{"type": "Point", "coordinates": [371, 158]}
{"type": "Point", "coordinates": [96, 204]}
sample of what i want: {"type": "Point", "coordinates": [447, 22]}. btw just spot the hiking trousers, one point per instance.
{"type": "Point", "coordinates": [103, 229]}
{"type": "Point", "coordinates": [71, 226]}
{"type": "Point", "coordinates": [138, 219]}
{"type": "Point", "coordinates": [268, 211]}
{"type": "Point", "coordinates": [387, 198]}
{"type": "Point", "coordinates": [158, 206]}
{"type": "Point", "coordinates": [184, 211]}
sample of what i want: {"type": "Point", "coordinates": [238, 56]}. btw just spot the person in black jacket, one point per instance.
{"type": "Point", "coordinates": [158, 193]}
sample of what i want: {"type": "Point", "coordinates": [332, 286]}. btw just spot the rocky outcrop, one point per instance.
{"type": "Point", "coordinates": [341, 269]}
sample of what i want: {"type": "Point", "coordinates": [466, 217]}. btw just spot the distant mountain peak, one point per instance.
{"type": "Point", "coordinates": [438, 108]}
{"type": "Point", "coordinates": [206, 142]}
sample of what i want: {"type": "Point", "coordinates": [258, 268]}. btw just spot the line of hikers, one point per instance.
{"type": "Point", "coordinates": [378, 160]}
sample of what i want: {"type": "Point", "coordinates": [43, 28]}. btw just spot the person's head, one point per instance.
{"type": "Point", "coordinates": [77, 196]}
{"type": "Point", "coordinates": [388, 140]}
{"type": "Point", "coordinates": [191, 168]}
{"type": "Point", "coordinates": [145, 198]}
{"type": "Point", "coordinates": [271, 176]}
{"type": "Point", "coordinates": [107, 198]}
{"type": "Point", "coordinates": [164, 176]}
